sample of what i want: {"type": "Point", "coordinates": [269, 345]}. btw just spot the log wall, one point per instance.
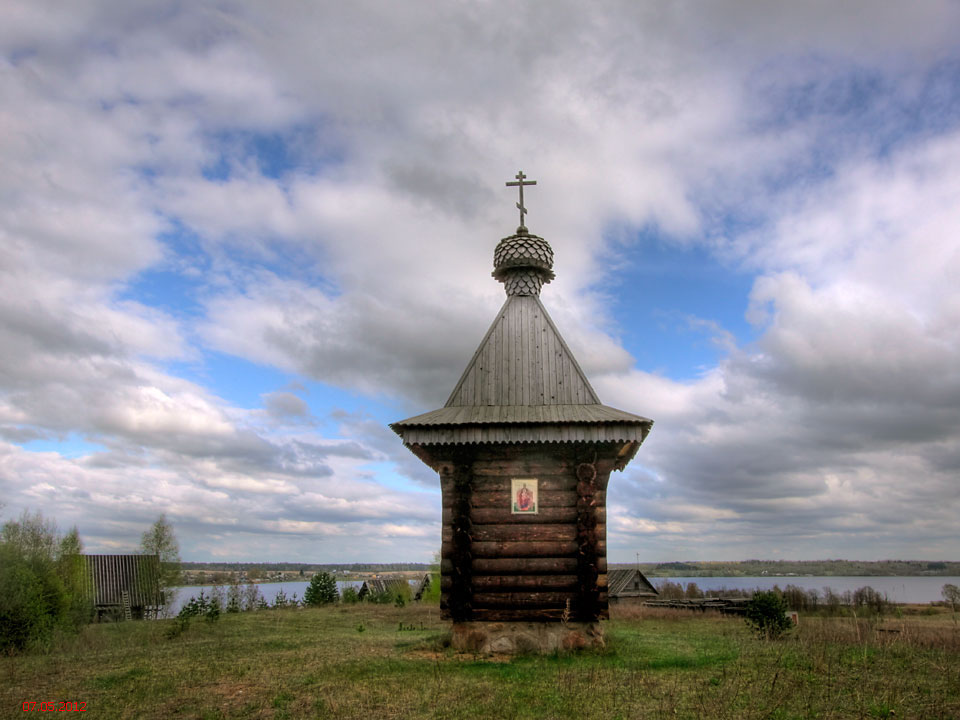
{"type": "Point", "coordinates": [496, 565]}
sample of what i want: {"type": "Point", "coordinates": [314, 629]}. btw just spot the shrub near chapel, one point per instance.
{"type": "Point", "coordinates": [767, 614]}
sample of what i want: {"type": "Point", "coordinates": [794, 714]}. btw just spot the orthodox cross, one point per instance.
{"type": "Point", "coordinates": [520, 183]}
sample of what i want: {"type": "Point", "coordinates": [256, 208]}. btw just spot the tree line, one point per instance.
{"type": "Point", "coordinates": [756, 568]}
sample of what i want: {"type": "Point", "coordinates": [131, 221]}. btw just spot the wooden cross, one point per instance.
{"type": "Point", "coordinates": [520, 183]}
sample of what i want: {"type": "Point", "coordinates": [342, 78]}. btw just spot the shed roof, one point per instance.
{"type": "Point", "coordinates": [108, 576]}
{"type": "Point", "coordinates": [629, 582]}
{"type": "Point", "coordinates": [382, 584]}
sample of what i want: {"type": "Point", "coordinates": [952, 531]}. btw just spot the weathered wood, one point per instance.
{"type": "Point", "coordinates": [518, 533]}
{"type": "Point", "coordinates": [533, 600]}
{"type": "Point", "coordinates": [524, 549]}
{"type": "Point", "coordinates": [502, 498]}
{"type": "Point", "coordinates": [529, 583]}
{"type": "Point", "coordinates": [458, 600]}
{"type": "Point", "coordinates": [589, 601]}
{"type": "Point", "coordinates": [524, 563]}
{"type": "Point", "coordinates": [501, 480]}
{"type": "Point", "coordinates": [521, 615]}
{"type": "Point", "coordinates": [546, 515]}
{"type": "Point", "coordinates": [533, 566]}
{"type": "Point", "coordinates": [555, 469]}
{"type": "Point", "coordinates": [523, 566]}
{"type": "Point", "coordinates": [520, 600]}
{"type": "Point", "coordinates": [109, 580]}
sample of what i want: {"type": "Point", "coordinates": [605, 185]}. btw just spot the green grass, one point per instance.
{"type": "Point", "coordinates": [314, 663]}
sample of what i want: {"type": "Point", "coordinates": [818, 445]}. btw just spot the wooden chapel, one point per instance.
{"type": "Point", "coordinates": [524, 449]}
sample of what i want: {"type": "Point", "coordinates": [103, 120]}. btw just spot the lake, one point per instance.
{"type": "Point", "coordinates": [268, 590]}
{"type": "Point", "coordinates": [923, 589]}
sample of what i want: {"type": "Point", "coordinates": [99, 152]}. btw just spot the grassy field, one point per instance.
{"type": "Point", "coordinates": [385, 662]}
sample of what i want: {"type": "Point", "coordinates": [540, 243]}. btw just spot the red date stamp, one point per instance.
{"type": "Point", "coordinates": [54, 706]}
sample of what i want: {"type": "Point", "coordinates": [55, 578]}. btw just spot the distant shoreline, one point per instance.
{"type": "Point", "coordinates": [287, 572]}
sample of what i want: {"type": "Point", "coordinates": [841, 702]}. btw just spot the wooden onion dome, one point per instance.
{"type": "Point", "coordinates": [523, 263]}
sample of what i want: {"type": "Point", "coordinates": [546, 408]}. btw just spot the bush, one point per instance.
{"type": "Point", "coordinates": [250, 597]}
{"type": "Point", "coordinates": [349, 596]}
{"type": "Point", "coordinates": [30, 605]}
{"type": "Point", "coordinates": [951, 595]}
{"type": "Point", "coordinates": [280, 599]}
{"type": "Point", "coordinates": [380, 598]}
{"type": "Point", "coordinates": [431, 595]}
{"type": "Point", "coordinates": [671, 591]}
{"type": "Point", "coordinates": [767, 614]}
{"type": "Point", "coordinates": [866, 599]}
{"type": "Point", "coordinates": [40, 583]}
{"type": "Point", "coordinates": [322, 590]}
{"type": "Point", "coordinates": [195, 607]}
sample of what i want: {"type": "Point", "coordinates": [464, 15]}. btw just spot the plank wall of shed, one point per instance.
{"type": "Point", "coordinates": [524, 567]}
{"type": "Point", "coordinates": [107, 577]}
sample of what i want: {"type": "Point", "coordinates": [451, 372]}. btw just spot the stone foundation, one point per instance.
{"type": "Point", "coordinates": [512, 638]}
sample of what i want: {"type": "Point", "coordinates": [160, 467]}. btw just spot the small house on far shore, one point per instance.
{"type": "Point", "coordinates": [123, 587]}
{"type": "Point", "coordinates": [629, 585]}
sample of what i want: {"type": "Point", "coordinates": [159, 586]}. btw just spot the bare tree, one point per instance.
{"type": "Point", "coordinates": [160, 540]}
{"type": "Point", "coordinates": [951, 593]}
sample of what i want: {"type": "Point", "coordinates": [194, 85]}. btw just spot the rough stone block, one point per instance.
{"type": "Point", "coordinates": [512, 638]}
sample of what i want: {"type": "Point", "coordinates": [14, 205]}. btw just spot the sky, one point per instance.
{"type": "Point", "coordinates": [237, 239]}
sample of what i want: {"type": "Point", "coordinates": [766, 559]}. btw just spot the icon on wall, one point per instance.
{"type": "Point", "coordinates": [524, 494]}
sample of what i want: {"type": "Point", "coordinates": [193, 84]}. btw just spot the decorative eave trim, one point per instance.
{"type": "Point", "coordinates": [476, 434]}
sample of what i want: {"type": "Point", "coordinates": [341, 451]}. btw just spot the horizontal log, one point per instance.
{"type": "Point", "coordinates": [544, 481]}
{"type": "Point", "coordinates": [496, 516]}
{"type": "Point", "coordinates": [517, 566]}
{"type": "Point", "coordinates": [525, 566]}
{"type": "Point", "coordinates": [563, 561]}
{"type": "Point", "coordinates": [529, 583]}
{"type": "Point", "coordinates": [518, 533]}
{"type": "Point", "coordinates": [525, 453]}
{"type": "Point", "coordinates": [525, 615]}
{"type": "Point", "coordinates": [514, 615]}
{"type": "Point", "coordinates": [517, 549]}
{"type": "Point", "coordinates": [522, 599]}
{"type": "Point", "coordinates": [502, 498]}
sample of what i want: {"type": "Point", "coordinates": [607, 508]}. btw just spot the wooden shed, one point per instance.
{"type": "Point", "coordinates": [123, 586]}
{"type": "Point", "coordinates": [421, 586]}
{"type": "Point", "coordinates": [384, 584]}
{"type": "Point", "coordinates": [524, 450]}
{"type": "Point", "coordinates": [625, 585]}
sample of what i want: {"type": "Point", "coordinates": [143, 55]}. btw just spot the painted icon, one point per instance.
{"type": "Point", "coordinates": [524, 492]}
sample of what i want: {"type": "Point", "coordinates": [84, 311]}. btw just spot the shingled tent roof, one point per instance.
{"type": "Point", "coordinates": [523, 384]}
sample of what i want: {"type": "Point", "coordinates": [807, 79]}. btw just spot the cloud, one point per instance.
{"type": "Point", "coordinates": [846, 405]}
{"type": "Point", "coordinates": [318, 190]}
{"type": "Point", "coordinates": [280, 405]}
